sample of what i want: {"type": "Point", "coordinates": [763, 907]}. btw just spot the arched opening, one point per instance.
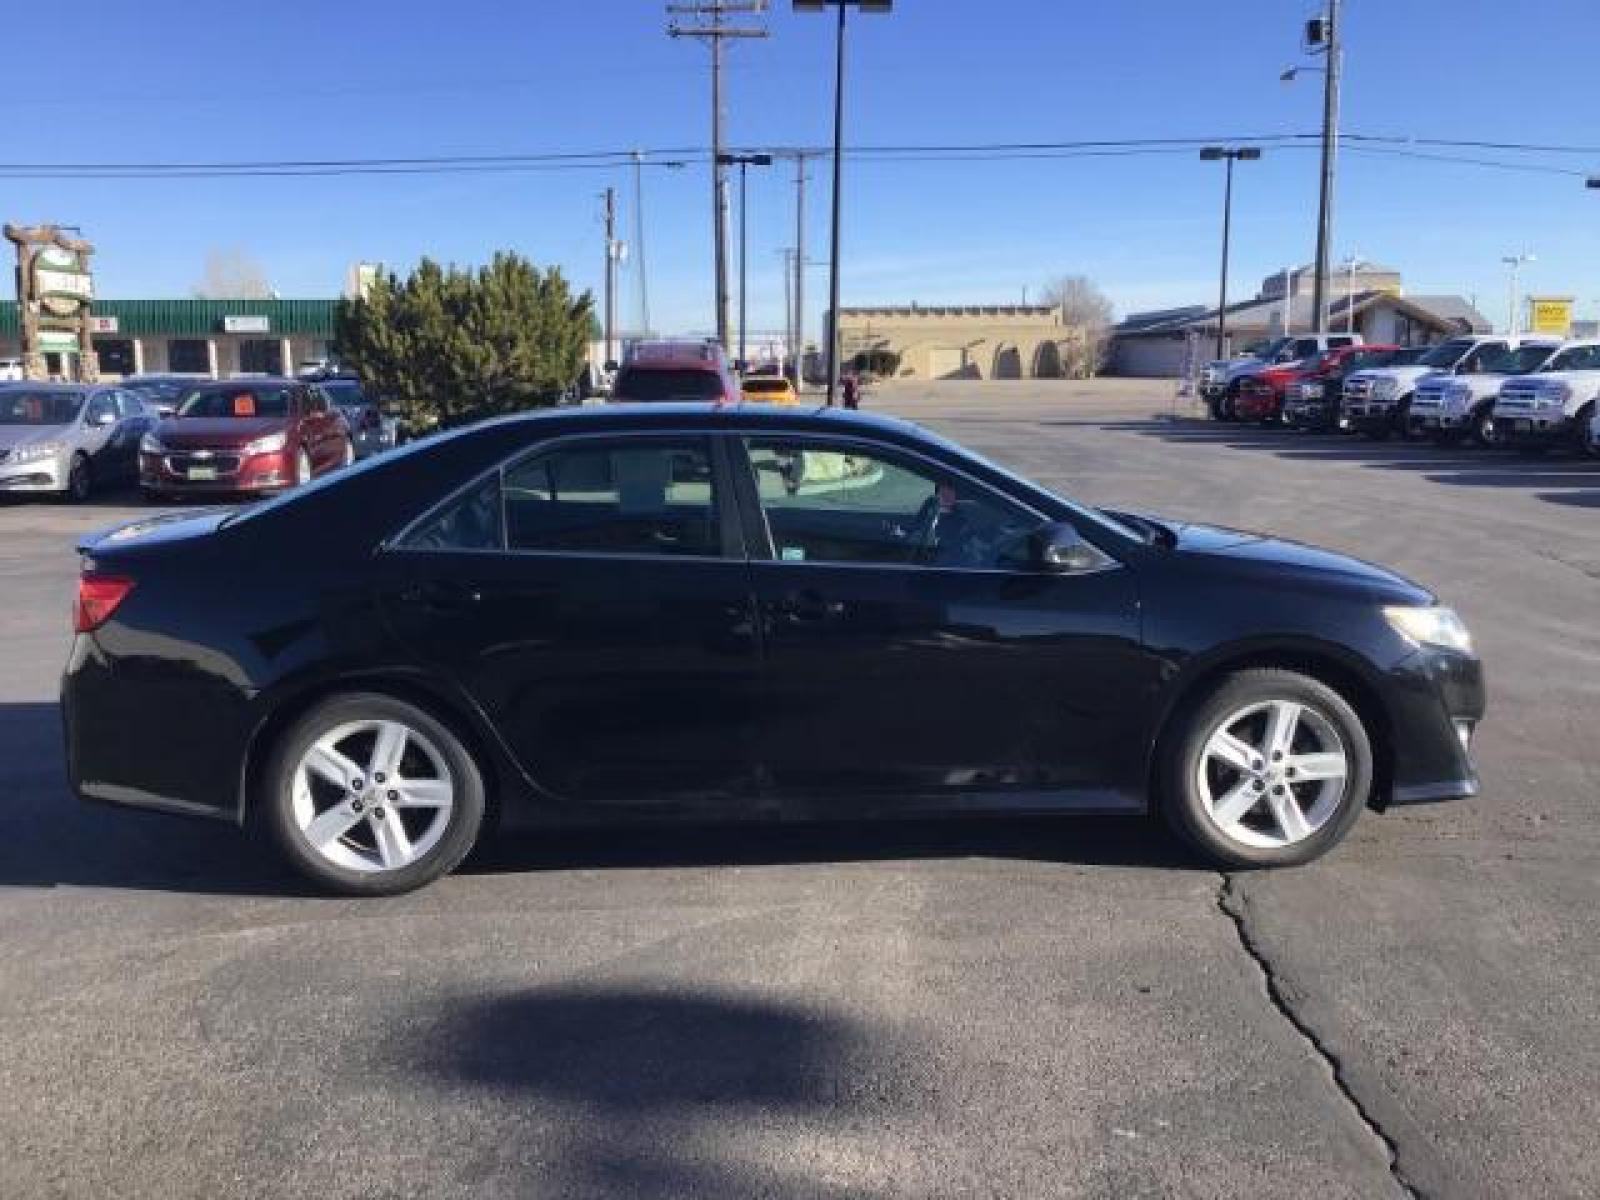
{"type": "Point", "coordinates": [1047, 361]}
{"type": "Point", "coordinates": [1007, 363]}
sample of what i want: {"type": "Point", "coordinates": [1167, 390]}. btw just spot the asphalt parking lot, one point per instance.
{"type": "Point", "coordinates": [1018, 1009]}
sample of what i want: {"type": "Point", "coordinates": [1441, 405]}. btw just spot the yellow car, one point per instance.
{"type": "Point", "coordinates": [769, 389]}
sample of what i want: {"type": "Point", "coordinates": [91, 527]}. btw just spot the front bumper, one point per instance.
{"type": "Point", "coordinates": [39, 475]}
{"type": "Point", "coordinates": [223, 472]}
{"type": "Point", "coordinates": [1525, 429]}
{"type": "Point", "coordinates": [1436, 702]}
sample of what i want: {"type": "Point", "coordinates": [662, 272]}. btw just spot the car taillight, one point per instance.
{"type": "Point", "coordinates": [98, 597]}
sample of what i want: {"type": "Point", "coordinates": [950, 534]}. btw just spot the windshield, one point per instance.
{"type": "Point", "coordinates": [346, 393]}
{"type": "Point", "coordinates": [767, 386]}
{"type": "Point", "coordinates": [1519, 361]}
{"type": "Point", "coordinates": [1445, 354]}
{"type": "Point", "coordinates": [23, 406]}
{"type": "Point", "coordinates": [1576, 358]}
{"type": "Point", "coordinates": [1266, 349]}
{"type": "Point", "coordinates": [241, 402]}
{"type": "Point", "coordinates": [659, 385]}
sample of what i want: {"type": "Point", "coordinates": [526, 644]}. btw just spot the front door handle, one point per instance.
{"type": "Point", "coordinates": [810, 607]}
{"type": "Point", "coordinates": [440, 597]}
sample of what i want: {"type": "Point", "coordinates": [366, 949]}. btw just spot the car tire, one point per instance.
{"type": "Point", "coordinates": [80, 480]}
{"type": "Point", "coordinates": [1243, 816]}
{"type": "Point", "coordinates": [1483, 432]}
{"type": "Point", "coordinates": [351, 837]}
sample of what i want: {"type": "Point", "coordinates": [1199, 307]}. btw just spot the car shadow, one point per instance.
{"type": "Point", "coordinates": [1451, 465]}
{"type": "Point", "coordinates": [632, 1090]}
{"type": "Point", "coordinates": [49, 838]}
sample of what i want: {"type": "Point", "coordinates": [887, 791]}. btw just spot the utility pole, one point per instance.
{"type": "Point", "coordinates": [638, 244]}
{"type": "Point", "coordinates": [1324, 31]}
{"type": "Point", "coordinates": [711, 25]}
{"type": "Point", "coordinates": [799, 266]}
{"type": "Point", "coordinates": [613, 248]}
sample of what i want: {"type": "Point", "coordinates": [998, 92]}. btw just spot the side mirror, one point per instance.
{"type": "Point", "coordinates": [1059, 549]}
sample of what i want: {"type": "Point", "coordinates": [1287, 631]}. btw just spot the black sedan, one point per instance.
{"type": "Point", "coordinates": [687, 612]}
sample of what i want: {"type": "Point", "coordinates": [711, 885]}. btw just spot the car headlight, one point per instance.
{"type": "Point", "coordinates": [151, 444]}
{"type": "Point", "coordinates": [1432, 626]}
{"type": "Point", "coordinates": [1458, 393]}
{"type": "Point", "coordinates": [270, 444]}
{"type": "Point", "coordinates": [34, 451]}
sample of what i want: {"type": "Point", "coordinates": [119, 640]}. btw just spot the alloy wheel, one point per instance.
{"type": "Point", "coordinates": [1272, 773]}
{"type": "Point", "coordinates": [373, 795]}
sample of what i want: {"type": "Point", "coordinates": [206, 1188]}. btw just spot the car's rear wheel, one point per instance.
{"type": "Point", "coordinates": [371, 796]}
{"type": "Point", "coordinates": [1270, 769]}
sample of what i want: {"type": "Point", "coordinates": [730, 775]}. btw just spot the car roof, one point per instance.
{"type": "Point", "coordinates": [52, 385]}
{"type": "Point", "coordinates": [712, 417]}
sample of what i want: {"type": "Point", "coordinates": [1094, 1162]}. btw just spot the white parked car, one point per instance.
{"type": "Point", "coordinates": [1377, 403]}
{"type": "Point", "coordinates": [11, 370]}
{"type": "Point", "coordinates": [1554, 406]}
{"type": "Point", "coordinates": [1450, 408]}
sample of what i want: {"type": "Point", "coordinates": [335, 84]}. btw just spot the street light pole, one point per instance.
{"type": "Point", "coordinates": [1229, 154]}
{"type": "Point", "coordinates": [1515, 262]}
{"type": "Point", "coordinates": [878, 6]}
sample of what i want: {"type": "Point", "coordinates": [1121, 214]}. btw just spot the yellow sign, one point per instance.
{"type": "Point", "coordinates": [1551, 314]}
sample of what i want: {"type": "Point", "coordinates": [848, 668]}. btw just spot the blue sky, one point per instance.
{"type": "Point", "coordinates": [169, 80]}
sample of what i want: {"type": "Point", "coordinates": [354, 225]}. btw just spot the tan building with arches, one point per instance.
{"type": "Point", "coordinates": [969, 341]}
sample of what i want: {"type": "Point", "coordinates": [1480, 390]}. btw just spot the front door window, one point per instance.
{"type": "Point", "coordinates": [838, 503]}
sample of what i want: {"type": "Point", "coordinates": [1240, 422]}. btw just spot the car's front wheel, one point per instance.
{"type": "Point", "coordinates": [1271, 769]}
{"type": "Point", "coordinates": [80, 479]}
{"type": "Point", "coordinates": [371, 796]}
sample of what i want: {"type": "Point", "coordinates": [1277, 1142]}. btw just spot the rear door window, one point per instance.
{"type": "Point", "coordinates": [654, 496]}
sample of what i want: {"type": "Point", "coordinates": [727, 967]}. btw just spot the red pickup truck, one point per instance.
{"type": "Point", "coordinates": [1262, 395]}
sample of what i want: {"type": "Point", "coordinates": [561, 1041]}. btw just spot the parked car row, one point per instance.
{"type": "Point", "coordinates": [176, 435]}
{"type": "Point", "coordinates": [1527, 392]}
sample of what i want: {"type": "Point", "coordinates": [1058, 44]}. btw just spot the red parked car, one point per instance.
{"type": "Point", "coordinates": [657, 372]}
{"type": "Point", "coordinates": [1262, 395]}
{"type": "Point", "coordinates": [245, 435]}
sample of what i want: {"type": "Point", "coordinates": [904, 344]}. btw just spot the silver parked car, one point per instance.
{"type": "Point", "coordinates": [68, 438]}
{"type": "Point", "coordinates": [372, 431]}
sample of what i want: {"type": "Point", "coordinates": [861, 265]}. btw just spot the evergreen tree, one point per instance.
{"type": "Point", "coordinates": [446, 345]}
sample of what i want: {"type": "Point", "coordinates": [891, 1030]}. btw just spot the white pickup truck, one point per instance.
{"type": "Point", "coordinates": [1555, 405]}
{"type": "Point", "coordinates": [1219, 379]}
{"type": "Point", "coordinates": [1450, 408]}
{"type": "Point", "coordinates": [1378, 402]}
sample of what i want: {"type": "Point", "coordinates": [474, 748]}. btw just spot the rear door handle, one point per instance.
{"type": "Point", "coordinates": [810, 606]}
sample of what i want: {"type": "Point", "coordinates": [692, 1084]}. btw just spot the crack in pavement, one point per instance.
{"type": "Point", "coordinates": [1232, 905]}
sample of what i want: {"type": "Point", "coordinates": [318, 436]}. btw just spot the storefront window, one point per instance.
{"type": "Point", "coordinates": [187, 356]}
